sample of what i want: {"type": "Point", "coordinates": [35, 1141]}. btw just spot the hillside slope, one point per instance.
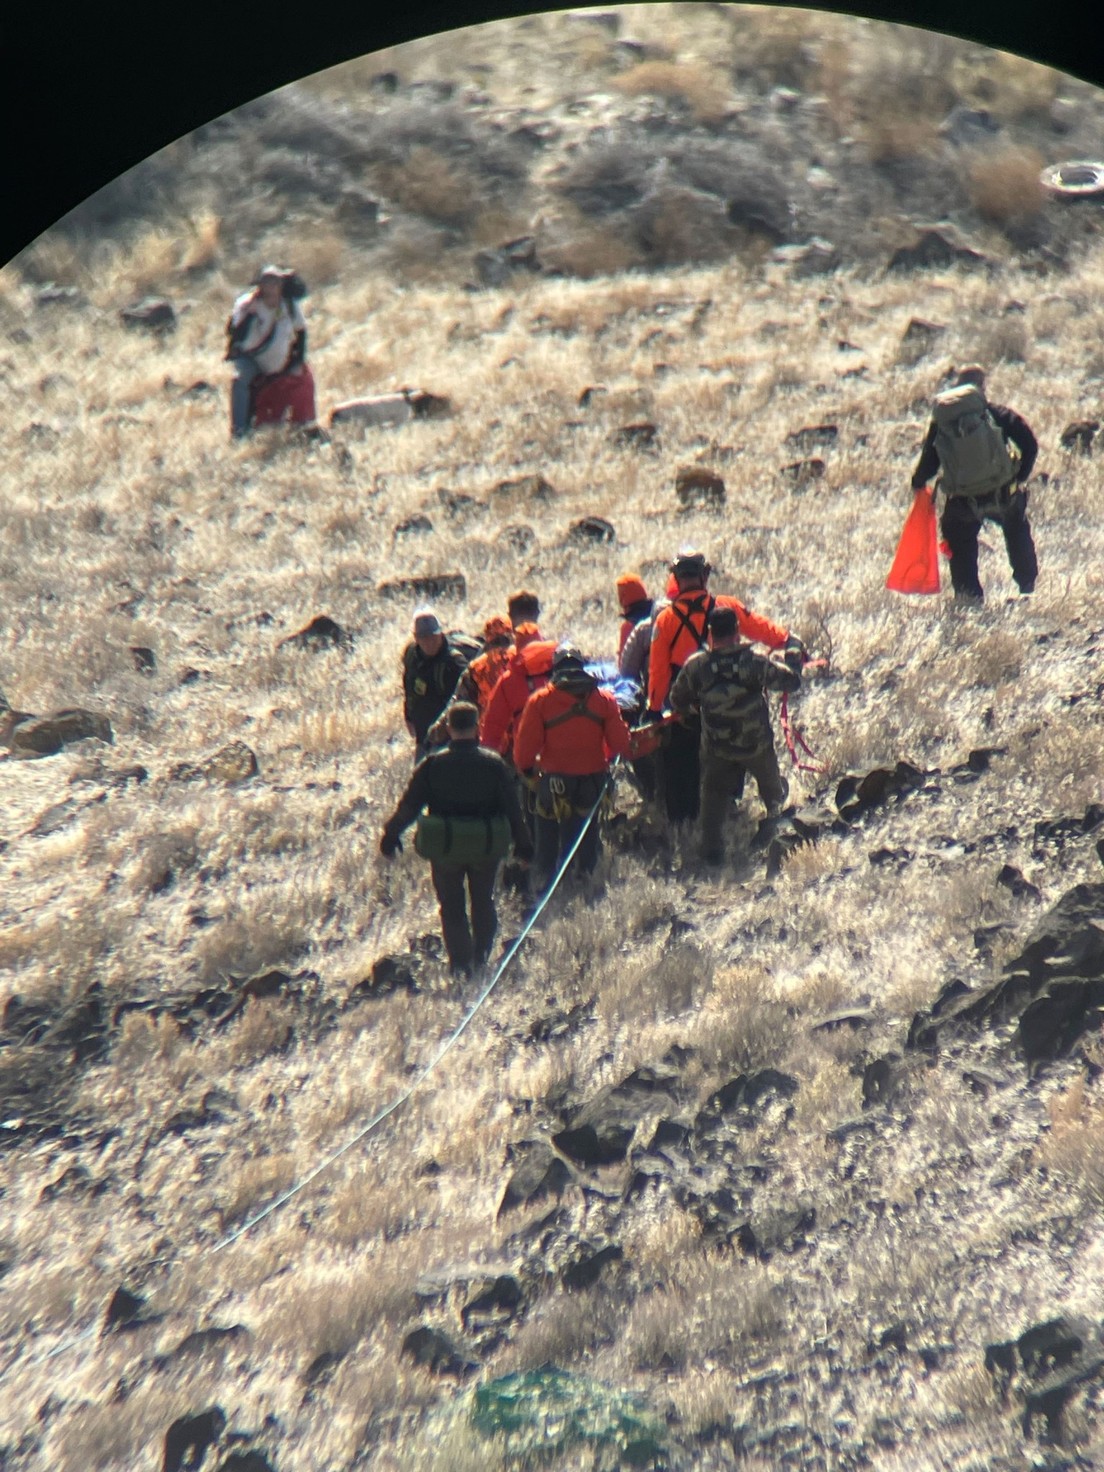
{"type": "Point", "coordinates": [852, 1101]}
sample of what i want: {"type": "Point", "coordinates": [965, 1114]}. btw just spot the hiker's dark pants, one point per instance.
{"type": "Point", "coordinates": [241, 396]}
{"type": "Point", "coordinates": [679, 770]}
{"type": "Point", "coordinates": [563, 805]}
{"type": "Point", "coordinates": [722, 780]}
{"type": "Point", "coordinates": [466, 945]}
{"type": "Point", "coordinates": [961, 523]}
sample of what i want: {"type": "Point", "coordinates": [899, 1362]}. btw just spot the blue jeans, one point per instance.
{"type": "Point", "coordinates": [241, 407]}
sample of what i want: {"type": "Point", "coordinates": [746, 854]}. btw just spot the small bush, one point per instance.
{"type": "Point", "coordinates": [701, 88]}
{"type": "Point", "coordinates": [432, 185]}
{"type": "Point", "coordinates": [1005, 186]}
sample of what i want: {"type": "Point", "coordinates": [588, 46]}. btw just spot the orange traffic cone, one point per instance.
{"type": "Point", "coordinates": [916, 565]}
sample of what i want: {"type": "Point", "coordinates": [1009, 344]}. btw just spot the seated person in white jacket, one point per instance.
{"type": "Point", "coordinates": [267, 335]}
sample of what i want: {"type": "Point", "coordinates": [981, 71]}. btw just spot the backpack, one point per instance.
{"type": "Point", "coordinates": [974, 459]}
{"type": "Point", "coordinates": [466, 645]}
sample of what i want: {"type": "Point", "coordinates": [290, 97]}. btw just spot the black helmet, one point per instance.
{"type": "Point", "coordinates": [567, 657]}
{"type": "Point", "coordinates": [691, 563]}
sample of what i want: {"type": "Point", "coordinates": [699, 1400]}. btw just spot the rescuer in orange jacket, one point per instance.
{"type": "Point", "coordinates": [565, 739]}
{"type": "Point", "coordinates": [482, 675]}
{"type": "Point", "coordinates": [636, 606]}
{"type": "Point", "coordinates": [680, 630]}
{"type": "Point", "coordinates": [528, 670]}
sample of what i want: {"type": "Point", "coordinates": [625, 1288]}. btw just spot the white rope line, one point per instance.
{"type": "Point", "coordinates": [384, 1113]}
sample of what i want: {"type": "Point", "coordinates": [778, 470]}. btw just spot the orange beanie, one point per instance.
{"type": "Point", "coordinates": [630, 589]}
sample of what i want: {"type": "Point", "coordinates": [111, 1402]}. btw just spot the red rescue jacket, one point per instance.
{"type": "Point", "coordinates": [680, 630]}
{"type": "Point", "coordinates": [570, 734]}
{"type": "Point", "coordinates": [528, 670]}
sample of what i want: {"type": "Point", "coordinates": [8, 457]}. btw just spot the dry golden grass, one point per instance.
{"type": "Point", "coordinates": [703, 89]}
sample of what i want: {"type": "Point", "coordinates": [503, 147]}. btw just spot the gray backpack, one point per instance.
{"type": "Point", "coordinates": [974, 459]}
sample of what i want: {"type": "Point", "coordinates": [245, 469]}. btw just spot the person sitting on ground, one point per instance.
{"type": "Point", "coordinates": [636, 606]}
{"type": "Point", "coordinates": [431, 669]}
{"type": "Point", "coordinates": [679, 631]}
{"type": "Point", "coordinates": [266, 341]}
{"type": "Point", "coordinates": [565, 739]}
{"type": "Point", "coordinates": [968, 444]}
{"type": "Point", "coordinates": [726, 685]}
{"type": "Point", "coordinates": [471, 793]}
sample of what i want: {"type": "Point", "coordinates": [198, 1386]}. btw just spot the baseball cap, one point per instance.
{"type": "Point", "coordinates": [426, 622]}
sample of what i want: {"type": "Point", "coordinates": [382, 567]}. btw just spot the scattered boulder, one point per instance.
{"type": "Point", "coordinates": [425, 586]}
{"type": "Point", "coordinates": [250, 1460]}
{"type": "Point", "coordinates": [359, 209]}
{"type": "Point", "coordinates": [540, 1173]}
{"type": "Point", "coordinates": [858, 794]}
{"type": "Point", "coordinates": [495, 267]}
{"type": "Point", "coordinates": [776, 1229]}
{"type": "Point", "coordinates": [812, 436]}
{"type": "Point", "coordinates": [532, 487]}
{"type": "Point", "coordinates": [46, 735]}
{"type": "Point", "coordinates": [151, 314]}
{"type": "Point", "coordinates": [920, 336]}
{"type": "Point", "coordinates": [601, 1131]}
{"type": "Point", "coordinates": [804, 472]}
{"type": "Point", "coordinates": [189, 1438]}
{"type": "Point", "coordinates": [497, 1302]}
{"type": "Point", "coordinates": [588, 1264]}
{"type": "Point", "coordinates": [264, 985]}
{"type": "Point", "coordinates": [590, 394]}
{"type": "Point", "coordinates": [1079, 435]}
{"type": "Point", "coordinates": [592, 529]}
{"type": "Point", "coordinates": [321, 633]}
{"type": "Point", "coordinates": [641, 435]}
{"type": "Point", "coordinates": [436, 1352]}
{"type": "Point", "coordinates": [417, 523]}
{"type": "Point", "coordinates": [1053, 991]}
{"type": "Point", "coordinates": [231, 764]}
{"type": "Point", "coordinates": [696, 486]}
{"type": "Point", "coordinates": [969, 126]}
{"type": "Point", "coordinates": [124, 1311]}
{"type": "Point", "coordinates": [1045, 1367]}
{"type": "Point", "coordinates": [390, 973]}
{"type": "Point", "coordinates": [145, 661]}
{"type": "Point", "coordinates": [934, 246]}
{"type": "Point", "coordinates": [816, 257]}
{"type": "Point", "coordinates": [1012, 879]}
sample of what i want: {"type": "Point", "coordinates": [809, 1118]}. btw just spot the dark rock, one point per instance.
{"type": "Point", "coordinates": [539, 1174]}
{"type": "Point", "coordinates": [894, 1336]}
{"type": "Point", "coordinates": [498, 1303]}
{"type": "Point", "coordinates": [880, 1079]}
{"type": "Point", "coordinates": [969, 126]}
{"type": "Point", "coordinates": [934, 248]}
{"type": "Point", "coordinates": [201, 389]}
{"type": "Point", "coordinates": [25, 1021]}
{"type": "Point", "coordinates": [592, 529]}
{"type": "Point", "coordinates": [533, 487]}
{"type": "Point", "coordinates": [46, 735]}
{"type": "Point", "coordinates": [639, 436]}
{"type": "Point", "coordinates": [153, 313]}
{"type": "Point", "coordinates": [858, 794]}
{"type": "Point", "coordinates": [231, 764]}
{"type": "Point", "coordinates": [76, 1181]}
{"type": "Point", "coordinates": [246, 1461]}
{"type": "Point", "coordinates": [496, 267]}
{"type": "Point", "coordinates": [359, 209]}
{"type": "Point", "coordinates": [321, 633]}
{"type": "Point", "coordinates": [590, 393]}
{"type": "Point", "coordinates": [428, 406]}
{"type": "Point", "coordinates": [419, 522]}
{"type": "Point", "coordinates": [264, 985]}
{"type": "Point", "coordinates": [743, 1094]}
{"type": "Point", "coordinates": [697, 486]}
{"type": "Point", "coordinates": [1079, 435]}
{"type": "Point", "coordinates": [670, 1135]}
{"type": "Point", "coordinates": [804, 472]}
{"type": "Point", "coordinates": [51, 295]}
{"type": "Point", "coordinates": [1012, 879]}
{"type": "Point", "coordinates": [760, 216]}
{"type": "Point", "coordinates": [436, 1353]}
{"type": "Point", "coordinates": [776, 1228]}
{"type": "Point", "coordinates": [401, 970]}
{"type": "Point", "coordinates": [601, 1131]}
{"type": "Point", "coordinates": [921, 333]}
{"type": "Point", "coordinates": [812, 437]}
{"type": "Point", "coordinates": [218, 1336]}
{"type": "Point", "coordinates": [145, 661]}
{"type": "Point", "coordinates": [124, 1311]}
{"type": "Point", "coordinates": [321, 1368]}
{"type": "Point", "coordinates": [849, 1017]}
{"type": "Point", "coordinates": [562, 1024]}
{"type": "Point", "coordinates": [425, 586]}
{"type": "Point", "coordinates": [188, 1439]}
{"type": "Point", "coordinates": [1046, 1365]}
{"type": "Point", "coordinates": [587, 1268]}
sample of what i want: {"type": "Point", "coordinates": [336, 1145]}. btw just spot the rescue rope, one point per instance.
{"type": "Point", "coordinates": [382, 1114]}
{"type": "Point", "coordinates": [793, 736]}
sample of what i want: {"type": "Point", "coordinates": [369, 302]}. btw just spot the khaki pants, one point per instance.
{"type": "Point", "coordinates": [723, 779]}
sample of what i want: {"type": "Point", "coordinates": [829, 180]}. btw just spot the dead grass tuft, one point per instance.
{"type": "Point", "coordinates": [703, 89]}
{"type": "Point", "coordinates": [1071, 1148]}
{"type": "Point", "coordinates": [431, 184]}
{"type": "Point", "coordinates": [1004, 185]}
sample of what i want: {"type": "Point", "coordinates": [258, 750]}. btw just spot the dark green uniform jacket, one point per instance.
{"type": "Point", "coordinates": [465, 780]}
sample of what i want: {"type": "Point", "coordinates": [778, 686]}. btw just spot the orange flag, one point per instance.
{"type": "Point", "coordinates": [916, 565]}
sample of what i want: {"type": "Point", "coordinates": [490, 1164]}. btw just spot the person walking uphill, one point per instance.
{"type": "Point", "coordinates": [679, 631]}
{"type": "Point", "coordinates": [431, 669]}
{"type": "Point", "coordinates": [567, 734]}
{"type": "Point", "coordinates": [471, 812]}
{"type": "Point", "coordinates": [726, 684]}
{"type": "Point", "coordinates": [267, 340]}
{"type": "Point", "coordinates": [982, 479]}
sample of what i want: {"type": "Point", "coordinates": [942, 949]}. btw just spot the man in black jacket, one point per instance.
{"type": "Point", "coordinates": [464, 780]}
{"type": "Point", "coordinates": [431, 669]}
{"type": "Point", "coordinates": [1007, 505]}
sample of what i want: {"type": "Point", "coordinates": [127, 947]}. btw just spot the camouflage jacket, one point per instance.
{"type": "Point", "coordinates": [728, 687]}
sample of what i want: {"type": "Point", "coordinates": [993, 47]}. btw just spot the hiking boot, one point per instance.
{"type": "Point", "coordinates": [776, 807]}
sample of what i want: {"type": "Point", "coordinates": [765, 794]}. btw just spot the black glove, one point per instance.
{"type": "Point", "coordinates": [390, 846]}
{"type": "Point", "coordinates": [652, 717]}
{"type": "Point", "coordinates": [524, 853]}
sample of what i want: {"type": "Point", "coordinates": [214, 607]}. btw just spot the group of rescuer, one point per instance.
{"type": "Point", "coordinates": [514, 734]}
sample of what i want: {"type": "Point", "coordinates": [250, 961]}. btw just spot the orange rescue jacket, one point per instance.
{"type": "Point", "coordinates": [528, 670]}
{"type": "Point", "coordinates": [568, 734]}
{"type": "Point", "coordinates": [681, 629]}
